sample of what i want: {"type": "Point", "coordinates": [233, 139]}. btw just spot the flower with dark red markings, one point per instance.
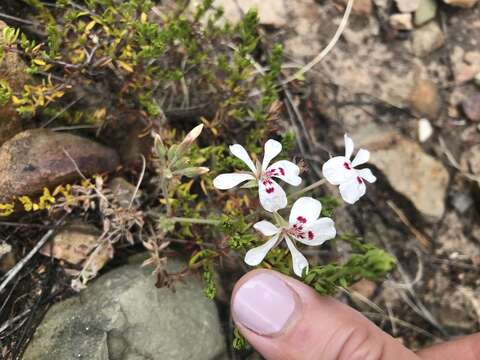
{"type": "Point", "coordinates": [339, 170]}
{"type": "Point", "coordinates": [304, 226]}
{"type": "Point", "coordinates": [272, 196]}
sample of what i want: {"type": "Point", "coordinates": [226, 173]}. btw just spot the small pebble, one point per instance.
{"type": "Point", "coordinates": [425, 130]}
{"type": "Point", "coordinates": [471, 107]}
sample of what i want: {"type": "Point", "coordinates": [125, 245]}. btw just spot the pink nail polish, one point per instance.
{"type": "Point", "coordinates": [264, 304]}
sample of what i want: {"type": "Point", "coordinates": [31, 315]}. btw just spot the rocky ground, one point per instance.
{"type": "Point", "coordinates": [404, 82]}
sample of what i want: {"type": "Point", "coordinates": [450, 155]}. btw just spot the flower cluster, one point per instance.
{"type": "Point", "coordinates": [305, 224]}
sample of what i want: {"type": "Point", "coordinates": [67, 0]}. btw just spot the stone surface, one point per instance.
{"type": "Point", "coordinates": [466, 64]}
{"type": "Point", "coordinates": [75, 243]}
{"type": "Point", "coordinates": [449, 305]}
{"type": "Point", "coordinates": [410, 171]}
{"type": "Point", "coordinates": [124, 191]}
{"type": "Point", "coordinates": [425, 130]}
{"type": "Point", "coordinates": [401, 21]}
{"type": "Point", "coordinates": [35, 159]}
{"type": "Point", "coordinates": [122, 316]}
{"type": "Point", "coordinates": [407, 6]}
{"type": "Point", "coordinates": [461, 201]}
{"type": "Point", "coordinates": [425, 98]}
{"type": "Point", "coordinates": [452, 239]}
{"type": "Point", "coordinates": [471, 158]}
{"type": "Point", "coordinates": [306, 19]}
{"type": "Point", "coordinates": [270, 12]}
{"type": "Point", "coordinates": [13, 71]}
{"type": "Point", "coordinates": [427, 39]}
{"type": "Point", "coordinates": [471, 107]}
{"type": "Point", "coordinates": [426, 11]}
{"type": "Point", "coordinates": [461, 3]}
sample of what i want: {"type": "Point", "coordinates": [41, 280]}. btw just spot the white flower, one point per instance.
{"type": "Point", "coordinates": [272, 196]}
{"type": "Point", "coordinates": [341, 171]}
{"type": "Point", "coordinates": [304, 225]}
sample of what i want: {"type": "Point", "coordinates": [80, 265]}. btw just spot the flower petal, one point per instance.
{"type": "Point", "coordinates": [319, 231]}
{"type": "Point", "coordinates": [287, 171]}
{"type": "Point", "coordinates": [361, 157]}
{"type": "Point", "coordinates": [338, 170]}
{"type": "Point", "coordinates": [348, 146]}
{"type": "Point", "coordinates": [298, 260]}
{"type": "Point", "coordinates": [228, 181]}
{"type": "Point", "coordinates": [272, 149]}
{"type": "Point", "coordinates": [266, 228]}
{"type": "Point", "coordinates": [256, 255]}
{"type": "Point", "coordinates": [352, 190]}
{"type": "Point", "coordinates": [272, 196]}
{"type": "Point", "coordinates": [240, 152]}
{"type": "Point", "coordinates": [367, 175]}
{"type": "Point", "coordinates": [305, 210]}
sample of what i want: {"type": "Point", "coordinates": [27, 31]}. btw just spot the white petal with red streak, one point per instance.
{"type": "Point", "coordinates": [228, 181]}
{"type": "Point", "coordinates": [335, 172]}
{"type": "Point", "coordinates": [266, 228]}
{"type": "Point", "coordinates": [272, 149]}
{"type": "Point", "coordinates": [307, 208]}
{"type": "Point", "coordinates": [322, 230]}
{"type": "Point", "coordinates": [361, 158]}
{"type": "Point", "coordinates": [367, 175]}
{"type": "Point", "coordinates": [272, 196]}
{"type": "Point", "coordinates": [299, 261]}
{"type": "Point", "coordinates": [240, 152]}
{"type": "Point", "coordinates": [256, 255]}
{"type": "Point", "coordinates": [352, 190]}
{"type": "Point", "coordinates": [348, 146]}
{"type": "Point", "coordinates": [287, 171]}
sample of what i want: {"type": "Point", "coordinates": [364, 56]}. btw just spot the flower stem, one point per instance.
{"type": "Point", "coordinates": [195, 221]}
{"type": "Point", "coordinates": [165, 196]}
{"type": "Point", "coordinates": [307, 189]}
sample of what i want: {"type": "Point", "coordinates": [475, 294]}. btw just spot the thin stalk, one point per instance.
{"type": "Point", "coordinates": [195, 221]}
{"type": "Point", "coordinates": [307, 189]}
{"type": "Point", "coordinates": [166, 197]}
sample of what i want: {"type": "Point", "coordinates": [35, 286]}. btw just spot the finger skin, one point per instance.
{"type": "Point", "coordinates": [466, 348]}
{"type": "Point", "coordinates": [324, 329]}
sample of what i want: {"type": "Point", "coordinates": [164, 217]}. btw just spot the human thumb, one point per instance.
{"type": "Point", "coordinates": [285, 319]}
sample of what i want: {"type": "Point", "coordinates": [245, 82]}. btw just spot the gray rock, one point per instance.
{"type": "Point", "coordinates": [122, 316]}
{"type": "Point", "coordinates": [461, 201]}
{"type": "Point", "coordinates": [427, 39]}
{"type": "Point", "coordinates": [124, 191]}
{"type": "Point", "coordinates": [35, 159]}
{"type": "Point", "coordinates": [410, 171]}
{"type": "Point", "coordinates": [426, 11]}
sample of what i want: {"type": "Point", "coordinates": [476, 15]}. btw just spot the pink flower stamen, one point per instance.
{"type": "Point", "coordinates": [297, 230]}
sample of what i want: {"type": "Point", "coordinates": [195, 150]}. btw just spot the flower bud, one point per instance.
{"type": "Point", "coordinates": [189, 139]}
{"type": "Point", "coordinates": [192, 171]}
